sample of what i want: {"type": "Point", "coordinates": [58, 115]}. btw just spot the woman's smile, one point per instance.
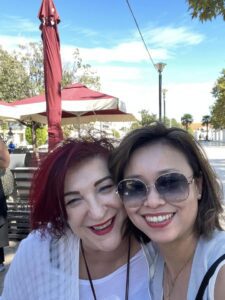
{"type": "Point", "coordinates": [159, 220]}
{"type": "Point", "coordinates": [103, 228]}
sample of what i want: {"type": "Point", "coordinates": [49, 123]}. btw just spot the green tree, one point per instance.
{"type": "Point", "coordinates": [206, 120]}
{"type": "Point", "coordinates": [186, 120]}
{"type": "Point", "coordinates": [22, 73]}
{"type": "Point", "coordinates": [78, 71]}
{"type": "Point", "coordinates": [115, 133]}
{"type": "Point", "coordinates": [174, 123]}
{"type": "Point", "coordinates": [207, 9]}
{"type": "Point", "coordinates": [218, 108]}
{"type": "Point", "coordinates": [14, 81]}
{"type": "Point", "coordinates": [31, 57]}
{"type": "Point", "coordinates": [41, 135]}
{"type": "Point", "coordinates": [4, 127]}
{"type": "Point", "coordinates": [146, 119]}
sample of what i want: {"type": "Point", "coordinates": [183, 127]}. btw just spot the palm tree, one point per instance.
{"type": "Point", "coordinates": [206, 120]}
{"type": "Point", "coordinates": [186, 120]}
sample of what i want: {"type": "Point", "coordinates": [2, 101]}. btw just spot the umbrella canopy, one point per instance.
{"type": "Point", "coordinates": [52, 70]}
{"type": "Point", "coordinates": [79, 105]}
{"type": "Point", "coordinates": [7, 111]}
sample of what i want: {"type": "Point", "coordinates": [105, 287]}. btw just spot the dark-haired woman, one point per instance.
{"type": "Point", "coordinates": [80, 246]}
{"type": "Point", "coordinates": [171, 194]}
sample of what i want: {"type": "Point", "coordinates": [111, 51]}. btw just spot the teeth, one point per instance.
{"type": "Point", "coordinates": [100, 227]}
{"type": "Point", "coordinates": [158, 219]}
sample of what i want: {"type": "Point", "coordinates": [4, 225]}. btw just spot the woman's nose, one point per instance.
{"type": "Point", "coordinates": [96, 210]}
{"type": "Point", "coordinates": [153, 198]}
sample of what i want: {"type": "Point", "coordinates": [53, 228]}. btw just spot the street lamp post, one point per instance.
{"type": "Point", "coordinates": [159, 67]}
{"type": "Point", "coordinates": [164, 104]}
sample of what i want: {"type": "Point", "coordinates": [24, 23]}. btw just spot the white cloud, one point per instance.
{"type": "Point", "coordinates": [130, 52]}
{"type": "Point", "coordinates": [170, 37]}
{"type": "Point", "coordinates": [15, 24]}
{"type": "Point", "coordinates": [11, 43]}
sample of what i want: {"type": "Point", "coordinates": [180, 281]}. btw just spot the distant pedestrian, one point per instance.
{"type": "Point", "coordinates": [11, 147]}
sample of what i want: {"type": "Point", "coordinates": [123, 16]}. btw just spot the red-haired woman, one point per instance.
{"type": "Point", "coordinates": [81, 246]}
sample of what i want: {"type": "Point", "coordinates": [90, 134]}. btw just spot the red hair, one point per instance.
{"type": "Point", "coordinates": [47, 190]}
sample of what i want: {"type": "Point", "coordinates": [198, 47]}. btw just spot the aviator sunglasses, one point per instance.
{"type": "Point", "coordinates": [172, 187]}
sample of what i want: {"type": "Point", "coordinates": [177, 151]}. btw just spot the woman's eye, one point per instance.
{"type": "Point", "coordinates": [106, 188]}
{"type": "Point", "coordinates": [73, 201]}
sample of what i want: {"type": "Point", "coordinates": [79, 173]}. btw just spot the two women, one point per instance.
{"type": "Point", "coordinates": [81, 246]}
{"type": "Point", "coordinates": [171, 193]}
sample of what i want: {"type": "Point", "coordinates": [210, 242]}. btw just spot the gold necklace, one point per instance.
{"type": "Point", "coordinates": [168, 278]}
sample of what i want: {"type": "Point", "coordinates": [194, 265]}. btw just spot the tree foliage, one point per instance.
{"type": "Point", "coordinates": [218, 108]}
{"type": "Point", "coordinates": [186, 120]}
{"type": "Point", "coordinates": [146, 119]}
{"type": "Point", "coordinates": [207, 9]}
{"type": "Point", "coordinates": [40, 135]}
{"type": "Point", "coordinates": [22, 73]}
{"type": "Point", "coordinates": [174, 123]}
{"type": "Point", "coordinates": [206, 120]}
{"type": "Point", "coordinates": [14, 82]}
{"type": "Point", "coordinates": [78, 71]}
{"type": "Point", "coordinates": [31, 57]}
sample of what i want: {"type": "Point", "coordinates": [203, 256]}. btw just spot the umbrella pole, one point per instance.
{"type": "Point", "coordinates": [79, 126]}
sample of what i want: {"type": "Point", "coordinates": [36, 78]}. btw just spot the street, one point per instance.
{"type": "Point", "coordinates": [216, 155]}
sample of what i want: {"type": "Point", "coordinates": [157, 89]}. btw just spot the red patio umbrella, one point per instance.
{"type": "Point", "coordinates": [52, 70]}
{"type": "Point", "coordinates": [7, 111]}
{"type": "Point", "coordinates": [79, 105]}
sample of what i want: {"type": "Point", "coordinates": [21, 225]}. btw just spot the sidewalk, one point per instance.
{"type": "Point", "coordinates": [9, 253]}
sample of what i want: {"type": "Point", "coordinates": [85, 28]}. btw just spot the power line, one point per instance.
{"type": "Point", "coordinates": [138, 28]}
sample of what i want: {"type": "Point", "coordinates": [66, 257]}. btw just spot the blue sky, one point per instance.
{"type": "Point", "coordinates": [107, 37]}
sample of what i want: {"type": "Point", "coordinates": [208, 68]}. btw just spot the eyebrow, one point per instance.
{"type": "Point", "coordinates": [102, 179]}
{"type": "Point", "coordinates": [95, 184]}
{"type": "Point", "coordinates": [71, 193]}
{"type": "Point", "coordinates": [162, 172]}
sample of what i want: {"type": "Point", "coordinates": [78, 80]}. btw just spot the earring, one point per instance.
{"type": "Point", "coordinates": [199, 196]}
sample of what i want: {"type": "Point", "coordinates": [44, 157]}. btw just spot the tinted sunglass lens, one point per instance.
{"type": "Point", "coordinates": [132, 191]}
{"type": "Point", "coordinates": [173, 187]}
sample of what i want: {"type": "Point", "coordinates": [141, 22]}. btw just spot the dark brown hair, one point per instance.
{"type": "Point", "coordinates": [210, 204]}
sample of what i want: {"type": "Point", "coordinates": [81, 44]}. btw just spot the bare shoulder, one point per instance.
{"type": "Point", "coordinates": [220, 285]}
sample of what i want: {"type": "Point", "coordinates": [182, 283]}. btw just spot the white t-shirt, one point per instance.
{"type": "Point", "coordinates": [206, 253]}
{"type": "Point", "coordinates": [113, 286]}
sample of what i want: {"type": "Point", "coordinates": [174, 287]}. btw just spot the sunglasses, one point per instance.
{"type": "Point", "coordinates": [172, 187]}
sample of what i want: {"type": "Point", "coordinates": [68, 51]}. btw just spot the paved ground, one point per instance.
{"type": "Point", "coordinates": [216, 154]}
